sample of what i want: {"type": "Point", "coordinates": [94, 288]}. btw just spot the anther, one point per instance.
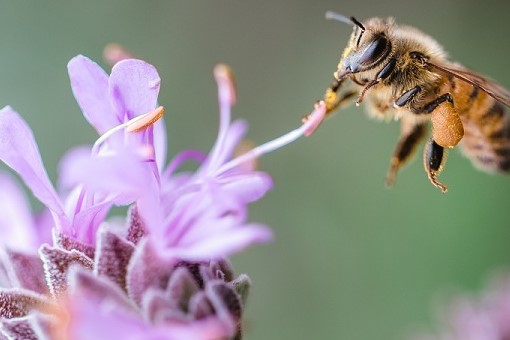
{"type": "Point", "coordinates": [226, 84]}
{"type": "Point", "coordinates": [144, 121]}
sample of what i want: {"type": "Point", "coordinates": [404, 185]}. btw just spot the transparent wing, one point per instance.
{"type": "Point", "coordinates": [485, 84]}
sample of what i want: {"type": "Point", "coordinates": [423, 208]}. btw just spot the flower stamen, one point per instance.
{"type": "Point", "coordinates": [142, 122]}
{"type": "Point", "coordinates": [137, 124]}
{"type": "Point", "coordinates": [312, 122]}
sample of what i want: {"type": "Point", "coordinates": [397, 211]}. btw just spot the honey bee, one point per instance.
{"type": "Point", "coordinates": [401, 73]}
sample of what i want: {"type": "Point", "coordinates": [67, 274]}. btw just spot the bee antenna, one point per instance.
{"type": "Point", "coordinates": [330, 15]}
{"type": "Point", "coordinates": [357, 23]}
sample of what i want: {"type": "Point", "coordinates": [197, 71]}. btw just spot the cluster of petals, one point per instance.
{"type": "Point", "coordinates": [69, 272]}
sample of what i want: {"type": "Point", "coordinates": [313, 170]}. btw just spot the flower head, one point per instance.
{"type": "Point", "coordinates": [202, 214]}
{"type": "Point", "coordinates": [159, 275]}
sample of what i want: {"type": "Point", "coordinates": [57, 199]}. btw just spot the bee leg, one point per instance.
{"type": "Point", "coordinates": [334, 98]}
{"type": "Point", "coordinates": [364, 89]}
{"type": "Point", "coordinates": [407, 96]}
{"type": "Point", "coordinates": [434, 157]}
{"type": "Point", "coordinates": [410, 137]}
{"type": "Point", "coordinates": [383, 74]}
{"type": "Point", "coordinates": [448, 129]}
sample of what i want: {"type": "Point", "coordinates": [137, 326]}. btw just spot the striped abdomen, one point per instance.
{"type": "Point", "coordinates": [486, 124]}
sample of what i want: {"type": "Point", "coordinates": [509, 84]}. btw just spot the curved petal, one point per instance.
{"type": "Point", "coordinates": [92, 318]}
{"type": "Point", "coordinates": [19, 151]}
{"type": "Point", "coordinates": [134, 87]}
{"type": "Point", "coordinates": [220, 245]}
{"type": "Point", "coordinates": [123, 172]}
{"type": "Point", "coordinates": [66, 176]}
{"type": "Point", "coordinates": [89, 83]}
{"type": "Point", "coordinates": [17, 229]}
{"type": "Point", "coordinates": [88, 212]}
{"type": "Point", "coordinates": [88, 221]}
{"type": "Point", "coordinates": [223, 148]}
{"type": "Point", "coordinates": [248, 187]}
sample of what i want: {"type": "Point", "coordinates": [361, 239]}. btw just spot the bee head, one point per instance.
{"type": "Point", "coordinates": [368, 45]}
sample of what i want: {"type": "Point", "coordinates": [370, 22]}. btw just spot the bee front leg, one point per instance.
{"type": "Point", "coordinates": [410, 137]}
{"type": "Point", "coordinates": [334, 98]}
{"type": "Point", "coordinates": [434, 157]}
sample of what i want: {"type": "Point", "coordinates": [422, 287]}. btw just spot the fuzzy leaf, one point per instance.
{"type": "Point", "coordinates": [56, 266]}
{"type": "Point", "coordinates": [25, 270]}
{"type": "Point", "coordinates": [16, 303]}
{"type": "Point", "coordinates": [227, 305]}
{"type": "Point", "coordinates": [19, 329]}
{"type": "Point", "coordinates": [70, 244]}
{"type": "Point", "coordinates": [224, 299]}
{"type": "Point", "coordinates": [146, 269]}
{"type": "Point", "coordinates": [83, 282]}
{"type": "Point", "coordinates": [136, 227]}
{"type": "Point", "coordinates": [112, 257]}
{"type": "Point", "coordinates": [158, 308]}
{"type": "Point", "coordinates": [222, 270]}
{"type": "Point", "coordinates": [242, 285]}
{"type": "Point", "coordinates": [200, 307]}
{"type": "Point", "coordinates": [196, 269]}
{"type": "Point", "coordinates": [181, 287]}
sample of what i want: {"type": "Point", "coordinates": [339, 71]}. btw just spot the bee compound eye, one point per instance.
{"type": "Point", "coordinates": [374, 51]}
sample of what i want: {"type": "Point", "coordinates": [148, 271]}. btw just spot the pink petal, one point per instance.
{"type": "Point", "coordinates": [66, 176]}
{"type": "Point", "coordinates": [247, 188]}
{"type": "Point", "coordinates": [123, 173]}
{"type": "Point", "coordinates": [17, 229]}
{"type": "Point", "coordinates": [19, 150]}
{"type": "Point", "coordinates": [224, 146]}
{"type": "Point", "coordinates": [134, 87]}
{"type": "Point", "coordinates": [91, 318]}
{"type": "Point", "coordinates": [89, 83]}
{"type": "Point", "coordinates": [220, 245]}
{"type": "Point", "coordinates": [88, 220]}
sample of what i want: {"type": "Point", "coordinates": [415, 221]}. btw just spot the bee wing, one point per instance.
{"type": "Point", "coordinates": [487, 85]}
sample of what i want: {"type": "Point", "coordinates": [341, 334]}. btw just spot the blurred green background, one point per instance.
{"type": "Point", "coordinates": [351, 259]}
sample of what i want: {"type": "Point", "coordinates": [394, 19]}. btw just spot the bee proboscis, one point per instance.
{"type": "Point", "coordinates": [401, 73]}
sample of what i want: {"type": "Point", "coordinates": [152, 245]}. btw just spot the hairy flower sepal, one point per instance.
{"type": "Point", "coordinates": [122, 283]}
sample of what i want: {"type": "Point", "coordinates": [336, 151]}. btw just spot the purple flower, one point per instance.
{"type": "Point", "coordinates": [203, 214]}
{"type": "Point", "coordinates": [161, 274]}
{"type": "Point", "coordinates": [485, 317]}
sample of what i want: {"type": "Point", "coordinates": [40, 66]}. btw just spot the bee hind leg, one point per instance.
{"type": "Point", "coordinates": [410, 137]}
{"type": "Point", "coordinates": [434, 157]}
